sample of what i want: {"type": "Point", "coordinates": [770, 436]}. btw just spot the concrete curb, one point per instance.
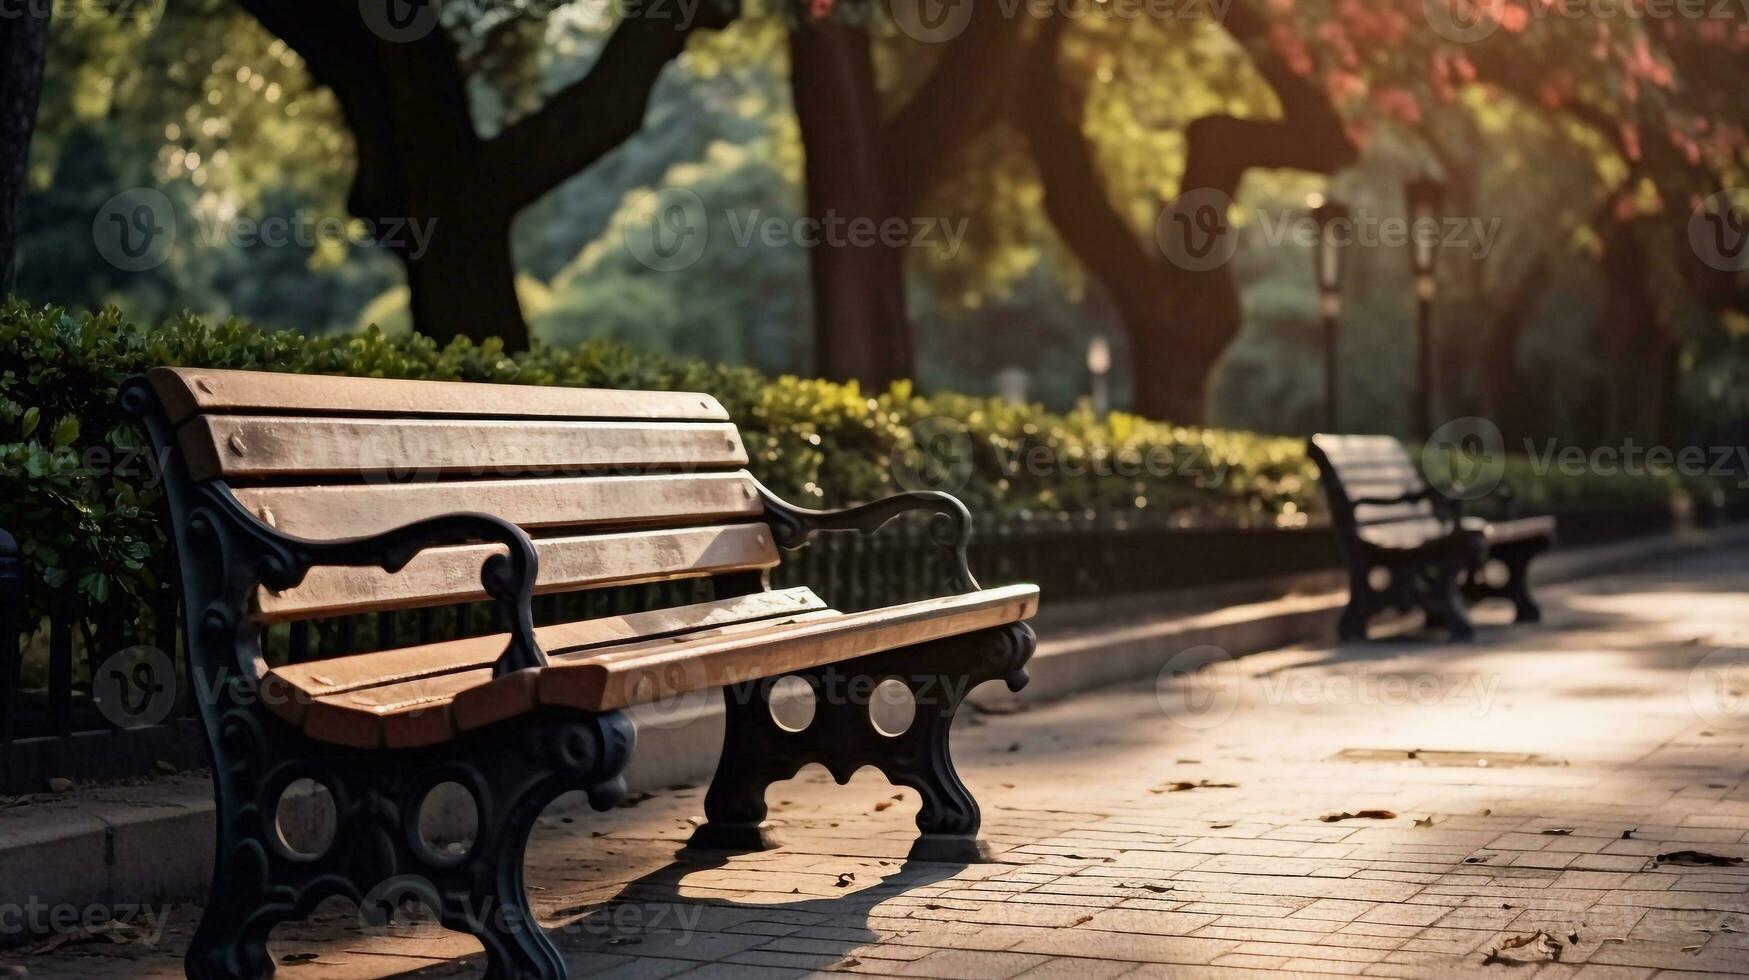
{"type": "Point", "coordinates": [110, 846]}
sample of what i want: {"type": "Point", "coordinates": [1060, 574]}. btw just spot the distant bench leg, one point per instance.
{"type": "Point", "coordinates": [1442, 599]}
{"type": "Point", "coordinates": [1516, 556]}
{"type": "Point", "coordinates": [843, 738]}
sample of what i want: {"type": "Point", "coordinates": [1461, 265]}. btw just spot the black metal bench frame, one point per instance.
{"type": "Point", "coordinates": [1438, 574]}
{"type": "Point", "coordinates": [378, 858]}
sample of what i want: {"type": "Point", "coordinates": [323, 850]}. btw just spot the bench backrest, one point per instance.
{"type": "Point", "coordinates": [1370, 468]}
{"type": "Point", "coordinates": [615, 487]}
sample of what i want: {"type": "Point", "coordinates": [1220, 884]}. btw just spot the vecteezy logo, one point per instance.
{"type": "Point", "coordinates": [1195, 232]}
{"type": "Point", "coordinates": [135, 687]}
{"type": "Point", "coordinates": [668, 229]}
{"type": "Point", "coordinates": [932, 21]}
{"type": "Point", "coordinates": [669, 695]}
{"type": "Point", "coordinates": [1718, 231]}
{"type": "Point", "coordinates": [399, 21]}
{"type": "Point", "coordinates": [135, 230]}
{"type": "Point", "coordinates": [1718, 688]}
{"type": "Point", "coordinates": [943, 459]}
{"type": "Point", "coordinates": [1198, 688]}
{"type": "Point", "coordinates": [1463, 21]}
{"type": "Point", "coordinates": [1465, 459]}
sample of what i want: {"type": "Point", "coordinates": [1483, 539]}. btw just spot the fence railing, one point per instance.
{"type": "Point", "coordinates": [53, 723]}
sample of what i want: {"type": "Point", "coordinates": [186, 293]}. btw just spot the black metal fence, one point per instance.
{"type": "Point", "coordinates": [52, 724]}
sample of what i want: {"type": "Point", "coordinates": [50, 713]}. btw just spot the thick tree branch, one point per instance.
{"type": "Point", "coordinates": [1048, 113]}
{"type": "Point", "coordinates": [1309, 136]}
{"type": "Point", "coordinates": [601, 110]}
{"type": "Point", "coordinates": [960, 99]}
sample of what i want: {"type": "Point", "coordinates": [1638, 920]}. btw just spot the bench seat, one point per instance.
{"type": "Point", "coordinates": [1515, 529]}
{"type": "Point", "coordinates": [428, 694]}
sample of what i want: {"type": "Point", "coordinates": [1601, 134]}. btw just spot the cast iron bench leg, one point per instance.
{"type": "Point", "coordinates": [1363, 602]}
{"type": "Point", "coordinates": [1516, 556]}
{"type": "Point", "coordinates": [1442, 599]}
{"type": "Point", "coordinates": [377, 858]}
{"type": "Point", "coordinates": [842, 737]}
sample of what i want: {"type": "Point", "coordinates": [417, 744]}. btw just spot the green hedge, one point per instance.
{"type": "Point", "coordinates": [82, 521]}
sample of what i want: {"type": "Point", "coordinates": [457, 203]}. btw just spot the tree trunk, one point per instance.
{"type": "Point", "coordinates": [421, 163]}
{"type": "Point", "coordinates": [464, 283]}
{"type": "Point", "coordinates": [861, 328]}
{"type": "Point", "coordinates": [1638, 341]}
{"type": "Point", "coordinates": [24, 36]}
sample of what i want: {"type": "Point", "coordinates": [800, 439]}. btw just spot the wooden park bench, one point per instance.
{"type": "Point", "coordinates": [293, 498]}
{"type": "Point", "coordinates": [1408, 546]}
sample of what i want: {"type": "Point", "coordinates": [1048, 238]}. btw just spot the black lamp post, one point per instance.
{"type": "Point", "coordinates": [1425, 196]}
{"type": "Point", "coordinates": [1327, 255]}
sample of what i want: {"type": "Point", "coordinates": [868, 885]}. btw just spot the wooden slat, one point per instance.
{"type": "Point", "coordinates": [321, 678]}
{"type": "Point", "coordinates": [1370, 516]}
{"type": "Point", "coordinates": [1405, 534]}
{"type": "Point", "coordinates": [343, 511]}
{"type": "Point", "coordinates": [1518, 529]}
{"type": "Point", "coordinates": [614, 679]}
{"type": "Point", "coordinates": [256, 446]}
{"type": "Point", "coordinates": [1360, 447]}
{"type": "Point", "coordinates": [448, 575]}
{"type": "Point", "coordinates": [422, 712]}
{"type": "Point", "coordinates": [189, 391]}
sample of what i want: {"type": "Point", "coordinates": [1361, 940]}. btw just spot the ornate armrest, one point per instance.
{"type": "Point", "coordinates": [508, 578]}
{"type": "Point", "coordinates": [1407, 498]}
{"type": "Point", "coordinates": [950, 527]}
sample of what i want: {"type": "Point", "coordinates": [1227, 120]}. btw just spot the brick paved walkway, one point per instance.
{"type": "Point", "coordinates": [1178, 832]}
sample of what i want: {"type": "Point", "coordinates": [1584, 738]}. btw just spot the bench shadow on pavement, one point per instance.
{"type": "Point", "coordinates": [650, 928]}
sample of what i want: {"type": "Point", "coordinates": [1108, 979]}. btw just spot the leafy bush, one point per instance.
{"type": "Point", "coordinates": [83, 516]}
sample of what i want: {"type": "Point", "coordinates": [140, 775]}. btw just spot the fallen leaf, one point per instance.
{"type": "Point", "coordinates": [1360, 815]}
{"type": "Point", "coordinates": [60, 785]}
{"type": "Point", "coordinates": [882, 805]}
{"type": "Point", "coordinates": [1699, 859]}
{"type": "Point", "coordinates": [1219, 826]}
{"type": "Point", "coordinates": [1557, 832]}
{"type": "Point", "coordinates": [634, 799]}
{"type": "Point", "coordinates": [1424, 822]}
{"type": "Point", "coordinates": [1628, 834]}
{"type": "Point", "coordinates": [1542, 942]}
{"type": "Point", "coordinates": [291, 958]}
{"type": "Point", "coordinates": [845, 878]}
{"type": "Point", "coordinates": [1179, 786]}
